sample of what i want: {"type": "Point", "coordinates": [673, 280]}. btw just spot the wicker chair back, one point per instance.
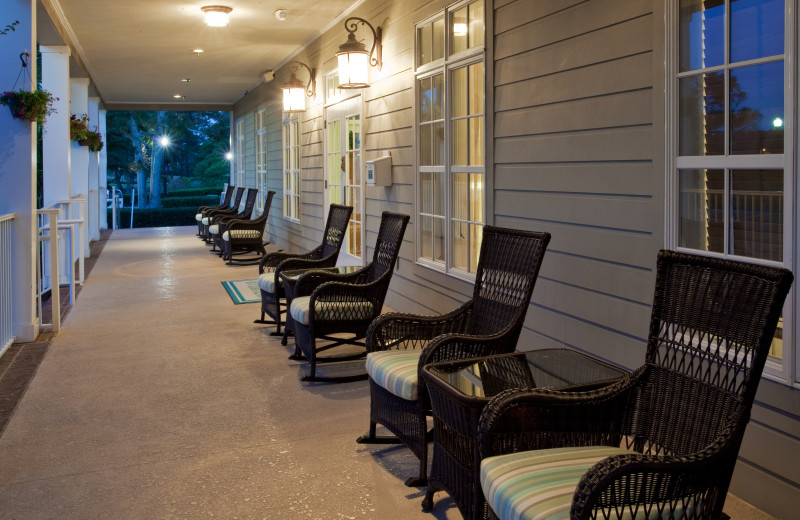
{"type": "Point", "coordinates": [508, 266]}
{"type": "Point", "coordinates": [387, 246]}
{"type": "Point", "coordinates": [710, 334]}
{"type": "Point", "coordinates": [335, 227]}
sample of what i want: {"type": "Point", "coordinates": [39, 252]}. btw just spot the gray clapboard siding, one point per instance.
{"type": "Point", "coordinates": [757, 449]}
{"type": "Point", "coordinates": [764, 490]}
{"type": "Point", "coordinates": [619, 75]}
{"type": "Point", "coordinates": [610, 178]}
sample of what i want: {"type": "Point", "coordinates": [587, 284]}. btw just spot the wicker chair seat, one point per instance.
{"type": "Point", "coordinates": [266, 282]}
{"type": "Point", "coordinates": [396, 371]}
{"type": "Point", "coordinates": [300, 310]}
{"type": "Point", "coordinates": [540, 484]}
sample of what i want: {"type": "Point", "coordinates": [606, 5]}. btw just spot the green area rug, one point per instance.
{"type": "Point", "coordinates": [243, 291]}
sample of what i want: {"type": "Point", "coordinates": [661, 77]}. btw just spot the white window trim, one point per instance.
{"type": "Point", "coordinates": [261, 150]}
{"type": "Point", "coordinates": [239, 166]}
{"type": "Point", "coordinates": [290, 191]}
{"type": "Point", "coordinates": [787, 371]}
{"type": "Point", "coordinates": [445, 66]}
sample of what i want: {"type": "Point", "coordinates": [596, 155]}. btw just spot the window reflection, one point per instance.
{"type": "Point", "coordinates": [756, 102]}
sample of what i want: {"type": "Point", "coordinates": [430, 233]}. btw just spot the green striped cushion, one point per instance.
{"type": "Point", "coordinates": [198, 217]}
{"type": "Point", "coordinates": [395, 371]}
{"type": "Point", "coordinates": [329, 310]}
{"type": "Point", "coordinates": [205, 221]}
{"type": "Point", "coordinates": [266, 282]}
{"type": "Point", "coordinates": [241, 233]}
{"type": "Point", "coordinates": [213, 229]}
{"type": "Point", "coordinates": [538, 484]}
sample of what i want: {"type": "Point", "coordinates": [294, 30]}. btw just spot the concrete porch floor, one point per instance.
{"type": "Point", "coordinates": [161, 399]}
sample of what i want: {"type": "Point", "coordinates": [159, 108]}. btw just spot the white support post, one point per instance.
{"type": "Point", "coordinates": [79, 182]}
{"type": "Point", "coordinates": [18, 167]}
{"type": "Point", "coordinates": [93, 207]}
{"type": "Point", "coordinates": [55, 140]}
{"type": "Point", "coordinates": [103, 170]}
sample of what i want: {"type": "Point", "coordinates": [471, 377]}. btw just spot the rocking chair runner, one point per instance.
{"type": "Point", "coordinates": [245, 236]}
{"type": "Point", "coordinates": [325, 303]}
{"type": "Point", "coordinates": [680, 418]}
{"type": "Point", "coordinates": [208, 214]}
{"type": "Point", "coordinates": [216, 220]}
{"type": "Point", "coordinates": [325, 255]}
{"type": "Point", "coordinates": [224, 205]}
{"type": "Point", "coordinates": [399, 345]}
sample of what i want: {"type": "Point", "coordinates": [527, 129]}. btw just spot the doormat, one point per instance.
{"type": "Point", "coordinates": [243, 291]}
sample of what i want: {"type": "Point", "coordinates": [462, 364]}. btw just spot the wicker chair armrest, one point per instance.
{"type": "Point", "coordinates": [309, 282]}
{"type": "Point", "coordinates": [454, 347]}
{"type": "Point", "coordinates": [524, 419]}
{"type": "Point", "coordinates": [661, 483]}
{"type": "Point", "coordinates": [271, 261]}
{"type": "Point", "coordinates": [245, 224]}
{"type": "Point", "coordinates": [396, 330]}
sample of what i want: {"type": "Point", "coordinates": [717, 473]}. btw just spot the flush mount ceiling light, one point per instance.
{"type": "Point", "coordinates": [281, 14]}
{"type": "Point", "coordinates": [354, 60]}
{"type": "Point", "coordinates": [294, 91]}
{"type": "Point", "coordinates": [185, 80]}
{"type": "Point", "coordinates": [216, 15]}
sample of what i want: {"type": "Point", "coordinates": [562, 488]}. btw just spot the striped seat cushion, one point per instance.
{"type": "Point", "coordinates": [266, 282]}
{"type": "Point", "coordinates": [198, 217]}
{"type": "Point", "coordinates": [205, 221]}
{"type": "Point", "coordinates": [300, 310]}
{"type": "Point", "coordinates": [538, 484]}
{"type": "Point", "coordinates": [241, 233]}
{"type": "Point", "coordinates": [395, 371]}
{"type": "Point", "coordinates": [213, 229]}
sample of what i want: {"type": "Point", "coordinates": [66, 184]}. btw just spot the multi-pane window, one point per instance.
{"type": "Point", "coordinates": [451, 163]}
{"type": "Point", "coordinates": [261, 155]}
{"type": "Point", "coordinates": [291, 167]}
{"type": "Point", "coordinates": [732, 140]}
{"type": "Point", "coordinates": [238, 157]}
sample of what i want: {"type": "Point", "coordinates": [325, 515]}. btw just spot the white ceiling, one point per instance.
{"type": "Point", "coordinates": [137, 52]}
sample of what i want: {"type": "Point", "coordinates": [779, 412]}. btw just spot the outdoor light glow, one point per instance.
{"type": "Point", "coordinates": [294, 99]}
{"type": "Point", "coordinates": [459, 29]}
{"type": "Point", "coordinates": [216, 15]}
{"type": "Point", "coordinates": [163, 140]}
{"type": "Point", "coordinates": [777, 122]}
{"type": "Point", "coordinates": [353, 69]}
{"type": "Point", "coordinates": [229, 156]}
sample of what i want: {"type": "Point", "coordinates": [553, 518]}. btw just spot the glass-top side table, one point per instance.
{"type": "Point", "coordinates": [459, 391]}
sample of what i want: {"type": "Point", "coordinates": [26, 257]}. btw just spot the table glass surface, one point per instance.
{"type": "Point", "coordinates": [547, 368]}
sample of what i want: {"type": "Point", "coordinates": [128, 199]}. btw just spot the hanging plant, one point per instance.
{"type": "Point", "coordinates": [32, 106]}
{"type": "Point", "coordinates": [94, 141]}
{"type": "Point", "coordinates": [79, 129]}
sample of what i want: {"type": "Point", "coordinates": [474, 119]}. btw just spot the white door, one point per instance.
{"type": "Point", "coordinates": [344, 176]}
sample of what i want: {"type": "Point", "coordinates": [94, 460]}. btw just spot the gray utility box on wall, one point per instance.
{"type": "Point", "coordinates": [379, 171]}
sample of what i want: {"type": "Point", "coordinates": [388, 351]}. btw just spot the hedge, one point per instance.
{"type": "Point", "coordinates": [156, 217]}
{"type": "Point", "coordinates": [189, 202]}
{"type": "Point", "coordinates": [192, 192]}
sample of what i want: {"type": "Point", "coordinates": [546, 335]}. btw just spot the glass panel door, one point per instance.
{"type": "Point", "coordinates": [344, 178]}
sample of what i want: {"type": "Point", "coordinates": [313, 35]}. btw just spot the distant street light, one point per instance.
{"type": "Point", "coordinates": [229, 156]}
{"type": "Point", "coordinates": [777, 122]}
{"type": "Point", "coordinates": [163, 141]}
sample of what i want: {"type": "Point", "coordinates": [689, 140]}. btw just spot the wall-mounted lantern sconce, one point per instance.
{"type": "Point", "coordinates": [354, 60]}
{"type": "Point", "coordinates": [216, 15]}
{"type": "Point", "coordinates": [295, 91]}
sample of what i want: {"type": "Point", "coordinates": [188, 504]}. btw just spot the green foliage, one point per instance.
{"type": "Point", "coordinates": [156, 217]}
{"type": "Point", "coordinates": [31, 105]}
{"type": "Point", "coordinates": [194, 202]}
{"type": "Point", "coordinates": [194, 192]}
{"type": "Point", "coordinates": [78, 127]}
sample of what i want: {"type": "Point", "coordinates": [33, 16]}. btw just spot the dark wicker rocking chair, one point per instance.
{"type": "Point", "coordinates": [224, 205]}
{"type": "Point", "coordinates": [662, 443]}
{"type": "Point", "coordinates": [325, 303]}
{"type": "Point", "coordinates": [240, 236]}
{"type": "Point", "coordinates": [273, 301]}
{"type": "Point", "coordinates": [218, 219]}
{"type": "Point", "coordinates": [399, 345]}
{"type": "Point", "coordinates": [209, 213]}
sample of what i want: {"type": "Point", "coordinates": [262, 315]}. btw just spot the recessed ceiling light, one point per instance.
{"type": "Point", "coordinates": [281, 14]}
{"type": "Point", "coordinates": [178, 96]}
{"type": "Point", "coordinates": [185, 80]}
{"type": "Point", "coordinates": [216, 15]}
{"type": "Point", "coordinates": [198, 51]}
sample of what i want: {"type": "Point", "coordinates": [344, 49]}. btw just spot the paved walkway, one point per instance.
{"type": "Point", "coordinates": [161, 399]}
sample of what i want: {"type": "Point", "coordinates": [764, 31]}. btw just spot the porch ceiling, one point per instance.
{"type": "Point", "coordinates": [137, 52]}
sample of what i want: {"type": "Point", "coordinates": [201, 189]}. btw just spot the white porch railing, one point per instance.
{"type": "Point", "coordinates": [6, 282]}
{"type": "Point", "coordinates": [59, 251]}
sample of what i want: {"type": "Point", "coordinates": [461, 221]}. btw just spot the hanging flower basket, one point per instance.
{"type": "Point", "coordinates": [79, 129]}
{"type": "Point", "coordinates": [94, 141]}
{"type": "Point", "coordinates": [31, 106]}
